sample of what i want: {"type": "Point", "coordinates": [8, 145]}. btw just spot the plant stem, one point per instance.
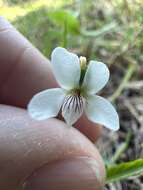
{"type": "Point", "coordinates": [123, 83]}
{"type": "Point", "coordinates": [121, 149]}
{"type": "Point", "coordinates": [65, 34]}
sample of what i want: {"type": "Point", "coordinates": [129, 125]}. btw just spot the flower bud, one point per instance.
{"type": "Point", "coordinates": [82, 62]}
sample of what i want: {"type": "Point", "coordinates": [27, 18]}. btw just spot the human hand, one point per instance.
{"type": "Point", "coordinates": [39, 155]}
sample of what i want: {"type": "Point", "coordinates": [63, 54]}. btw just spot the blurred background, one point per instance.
{"type": "Point", "coordinates": [110, 31]}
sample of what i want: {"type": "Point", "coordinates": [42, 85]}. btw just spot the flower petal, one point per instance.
{"type": "Point", "coordinates": [72, 108]}
{"type": "Point", "coordinates": [100, 111]}
{"type": "Point", "coordinates": [96, 76]}
{"type": "Point", "coordinates": [66, 67]}
{"type": "Point", "coordinates": [46, 104]}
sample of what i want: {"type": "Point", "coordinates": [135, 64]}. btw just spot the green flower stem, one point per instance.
{"type": "Point", "coordinates": [65, 34]}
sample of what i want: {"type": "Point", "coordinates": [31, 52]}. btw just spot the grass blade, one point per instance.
{"type": "Point", "coordinates": [124, 170]}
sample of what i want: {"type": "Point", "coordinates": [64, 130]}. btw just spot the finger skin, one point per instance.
{"type": "Point", "coordinates": [70, 174]}
{"type": "Point", "coordinates": [26, 145]}
{"type": "Point", "coordinates": [91, 130]}
{"type": "Point", "coordinates": [24, 71]}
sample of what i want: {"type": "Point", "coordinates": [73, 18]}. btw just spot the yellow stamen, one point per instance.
{"type": "Point", "coordinates": [82, 62]}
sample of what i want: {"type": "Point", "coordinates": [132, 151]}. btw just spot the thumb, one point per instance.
{"type": "Point", "coordinates": [45, 155]}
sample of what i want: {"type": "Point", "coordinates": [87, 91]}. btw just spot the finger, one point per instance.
{"type": "Point", "coordinates": [91, 130]}
{"type": "Point", "coordinates": [24, 71]}
{"type": "Point", "coordinates": [45, 155]}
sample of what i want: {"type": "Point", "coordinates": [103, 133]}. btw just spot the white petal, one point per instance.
{"type": "Point", "coordinates": [100, 111]}
{"type": "Point", "coordinates": [46, 104]}
{"type": "Point", "coordinates": [96, 76]}
{"type": "Point", "coordinates": [72, 109]}
{"type": "Point", "coordinates": [66, 67]}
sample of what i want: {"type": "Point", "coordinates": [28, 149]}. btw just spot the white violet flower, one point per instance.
{"type": "Point", "coordinates": [79, 83]}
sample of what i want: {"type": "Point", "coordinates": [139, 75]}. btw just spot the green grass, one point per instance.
{"type": "Point", "coordinates": [41, 21]}
{"type": "Point", "coordinates": [21, 9]}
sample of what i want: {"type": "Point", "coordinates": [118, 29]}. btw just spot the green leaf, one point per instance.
{"type": "Point", "coordinates": [59, 17]}
{"type": "Point", "coordinates": [124, 170]}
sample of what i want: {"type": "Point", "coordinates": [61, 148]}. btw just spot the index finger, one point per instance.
{"type": "Point", "coordinates": [24, 71]}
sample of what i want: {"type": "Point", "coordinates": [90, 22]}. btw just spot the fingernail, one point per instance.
{"type": "Point", "coordinates": [71, 174]}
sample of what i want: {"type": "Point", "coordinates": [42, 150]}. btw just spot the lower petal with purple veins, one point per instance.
{"type": "Point", "coordinates": [72, 108]}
